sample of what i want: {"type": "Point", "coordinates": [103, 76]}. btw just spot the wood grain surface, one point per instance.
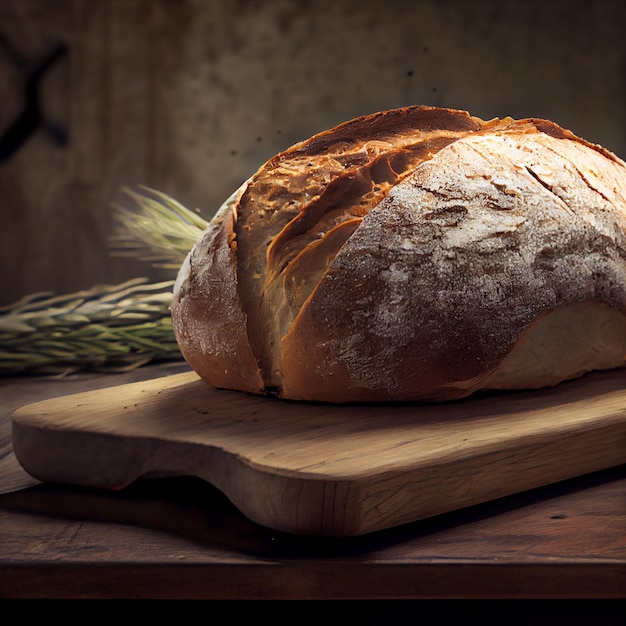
{"type": "Point", "coordinates": [316, 469]}
{"type": "Point", "coordinates": [181, 538]}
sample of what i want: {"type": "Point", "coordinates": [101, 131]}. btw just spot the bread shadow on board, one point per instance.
{"type": "Point", "coordinates": [190, 406]}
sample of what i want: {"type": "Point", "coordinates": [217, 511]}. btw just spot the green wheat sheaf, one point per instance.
{"type": "Point", "coordinates": [107, 328]}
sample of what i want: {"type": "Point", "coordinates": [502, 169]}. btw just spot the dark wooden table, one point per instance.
{"type": "Point", "coordinates": [179, 538]}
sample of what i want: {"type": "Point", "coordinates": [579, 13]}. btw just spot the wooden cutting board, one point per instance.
{"type": "Point", "coordinates": [327, 470]}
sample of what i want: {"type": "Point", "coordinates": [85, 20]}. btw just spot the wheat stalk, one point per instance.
{"type": "Point", "coordinates": [161, 232]}
{"type": "Point", "coordinates": [108, 328]}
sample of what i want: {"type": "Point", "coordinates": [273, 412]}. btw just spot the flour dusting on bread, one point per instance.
{"type": "Point", "coordinates": [415, 254]}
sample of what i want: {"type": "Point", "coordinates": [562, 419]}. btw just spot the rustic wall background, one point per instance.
{"type": "Point", "coordinates": [191, 96]}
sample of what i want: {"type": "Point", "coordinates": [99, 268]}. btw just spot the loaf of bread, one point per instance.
{"type": "Point", "coordinates": [417, 254]}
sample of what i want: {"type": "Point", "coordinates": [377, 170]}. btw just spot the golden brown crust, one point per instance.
{"type": "Point", "coordinates": [304, 196]}
{"type": "Point", "coordinates": [207, 316]}
{"type": "Point", "coordinates": [401, 256]}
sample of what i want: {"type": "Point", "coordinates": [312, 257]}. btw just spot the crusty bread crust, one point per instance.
{"type": "Point", "coordinates": [403, 256]}
{"type": "Point", "coordinates": [207, 316]}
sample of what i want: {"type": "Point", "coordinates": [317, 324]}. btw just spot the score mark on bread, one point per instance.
{"type": "Point", "coordinates": [418, 254]}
